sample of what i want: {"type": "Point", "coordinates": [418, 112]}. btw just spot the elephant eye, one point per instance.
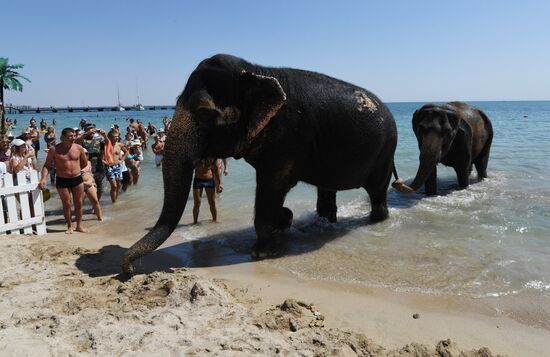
{"type": "Point", "coordinates": [423, 128]}
{"type": "Point", "coordinates": [206, 116]}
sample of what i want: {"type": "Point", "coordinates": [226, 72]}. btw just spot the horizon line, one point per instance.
{"type": "Point", "coordinates": [389, 101]}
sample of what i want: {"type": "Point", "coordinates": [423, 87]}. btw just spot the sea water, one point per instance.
{"type": "Point", "coordinates": [488, 241]}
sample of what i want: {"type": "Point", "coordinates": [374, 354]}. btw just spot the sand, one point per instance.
{"type": "Point", "coordinates": [62, 295]}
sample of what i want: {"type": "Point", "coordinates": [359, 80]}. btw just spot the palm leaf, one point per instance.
{"type": "Point", "coordinates": [10, 77]}
{"type": "Point", "coordinates": [12, 84]}
{"type": "Point", "coordinates": [13, 74]}
{"type": "Point", "coordinates": [25, 78]}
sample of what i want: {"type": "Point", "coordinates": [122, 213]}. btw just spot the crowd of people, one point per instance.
{"type": "Point", "coordinates": [85, 158]}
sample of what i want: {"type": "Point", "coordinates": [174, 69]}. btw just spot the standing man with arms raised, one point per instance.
{"type": "Point", "coordinates": [69, 158]}
{"type": "Point", "coordinates": [94, 142]}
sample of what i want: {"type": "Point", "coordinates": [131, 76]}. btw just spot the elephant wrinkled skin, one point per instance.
{"type": "Point", "coordinates": [455, 134]}
{"type": "Point", "coordinates": [290, 125]}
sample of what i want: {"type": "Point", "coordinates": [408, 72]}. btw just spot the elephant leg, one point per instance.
{"type": "Point", "coordinates": [481, 163]}
{"type": "Point", "coordinates": [431, 183]}
{"type": "Point", "coordinates": [463, 175]}
{"type": "Point", "coordinates": [284, 220]}
{"type": "Point", "coordinates": [326, 204]}
{"type": "Point", "coordinates": [270, 216]}
{"type": "Point", "coordinates": [377, 188]}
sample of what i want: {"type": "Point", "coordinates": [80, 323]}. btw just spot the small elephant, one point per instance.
{"type": "Point", "coordinates": [455, 134]}
{"type": "Point", "coordinates": [290, 125]}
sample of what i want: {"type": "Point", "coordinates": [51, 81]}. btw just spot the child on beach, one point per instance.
{"type": "Point", "coordinates": [21, 159]}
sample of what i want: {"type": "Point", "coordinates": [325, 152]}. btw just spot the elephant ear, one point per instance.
{"type": "Point", "coordinates": [451, 122]}
{"type": "Point", "coordinates": [262, 98]}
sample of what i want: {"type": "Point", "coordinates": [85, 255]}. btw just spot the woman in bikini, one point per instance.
{"type": "Point", "coordinates": [90, 187]}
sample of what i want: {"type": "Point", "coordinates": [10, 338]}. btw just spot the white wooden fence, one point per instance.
{"type": "Point", "coordinates": [21, 206]}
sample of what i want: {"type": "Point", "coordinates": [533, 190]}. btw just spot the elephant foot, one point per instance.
{"type": "Point", "coordinates": [284, 221]}
{"type": "Point", "coordinates": [266, 248]}
{"type": "Point", "coordinates": [330, 216]}
{"type": "Point", "coordinates": [379, 215]}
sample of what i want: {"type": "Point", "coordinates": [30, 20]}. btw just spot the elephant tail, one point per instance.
{"type": "Point", "coordinates": [399, 184]}
{"type": "Point", "coordinates": [395, 172]}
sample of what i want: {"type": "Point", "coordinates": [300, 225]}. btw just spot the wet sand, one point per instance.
{"type": "Point", "coordinates": [62, 294]}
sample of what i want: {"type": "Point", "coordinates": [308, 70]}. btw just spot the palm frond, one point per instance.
{"type": "Point", "coordinates": [13, 74]}
{"type": "Point", "coordinates": [25, 78]}
{"type": "Point", "coordinates": [12, 84]}
{"type": "Point", "coordinates": [10, 78]}
{"type": "Point", "coordinates": [16, 66]}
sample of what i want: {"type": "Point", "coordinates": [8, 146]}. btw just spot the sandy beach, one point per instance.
{"type": "Point", "coordinates": [63, 295]}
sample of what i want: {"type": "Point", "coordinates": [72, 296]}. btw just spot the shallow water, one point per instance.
{"type": "Point", "coordinates": [491, 240]}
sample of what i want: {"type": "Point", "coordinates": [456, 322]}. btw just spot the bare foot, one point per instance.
{"type": "Point", "coordinates": [81, 230]}
{"type": "Point", "coordinates": [69, 231]}
{"type": "Point", "coordinates": [100, 218]}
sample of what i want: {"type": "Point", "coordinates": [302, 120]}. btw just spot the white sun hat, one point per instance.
{"type": "Point", "coordinates": [17, 142]}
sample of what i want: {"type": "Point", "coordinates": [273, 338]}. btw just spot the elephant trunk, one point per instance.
{"type": "Point", "coordinates": [430, 154]}
{"type": "Point", "coordinates": [177, 172]}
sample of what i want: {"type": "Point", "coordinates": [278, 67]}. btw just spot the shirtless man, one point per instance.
{"type": "Point", "coordinates": [34, 136]}
{"type": "Point", "coordinates": [158, 150]}
{"type": "Point", "coordinates": [115, 152]}
{"type": "Point", "coordinates": [206, 171]}
{"type": "Point", "coordinates": [69, 158]}
{"type": "Point", "coordinates": [142, 134]}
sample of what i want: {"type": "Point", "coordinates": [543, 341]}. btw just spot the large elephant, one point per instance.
{"type": "Point", "coordinates": [290, 125]}
{"type": "Point", "coordinates": [455, 134]}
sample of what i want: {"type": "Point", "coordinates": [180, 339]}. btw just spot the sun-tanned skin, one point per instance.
{"type": "Point", "coordinates": [69, 158]}
{"type": "Point", "coordinates": [205, 170]}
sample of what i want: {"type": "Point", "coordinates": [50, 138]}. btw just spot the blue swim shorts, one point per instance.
{"type": "Point", "coordinates": [114, 172]}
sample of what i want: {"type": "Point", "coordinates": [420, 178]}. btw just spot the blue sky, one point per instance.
{"type": "Point", "coordinates": [79, 52]}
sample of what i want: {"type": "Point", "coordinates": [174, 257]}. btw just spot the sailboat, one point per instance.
{"type": "Point", "coordinates": [119, 108]}
{"type": "Point", "coordinates": [138, 106]}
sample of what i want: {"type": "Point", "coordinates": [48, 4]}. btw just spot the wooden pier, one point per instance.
{"type": "Point", "coordinates": [68, 109]}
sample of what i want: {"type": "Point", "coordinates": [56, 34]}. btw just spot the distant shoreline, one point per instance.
{"type": "Point", "coordinates": [171, 106]}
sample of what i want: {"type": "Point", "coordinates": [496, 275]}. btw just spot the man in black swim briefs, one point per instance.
{"type": "Point", "coordinates": [61, 182]}
{"type": "Point", "coordinates": [69, 158]}
{"type": "Point", "coordinates": [203, 183]}
{"type": "Point", "coordinates": [205, 173]}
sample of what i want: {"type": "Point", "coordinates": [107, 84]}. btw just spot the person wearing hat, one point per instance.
{"type": "Point", "coordinates": [21, 158]}
{"type": "Point", "coordinates": [94, 141]}
{"type": "Point", "coordinates": [69, 158]}
{"type": "Point", "coordinates": [133, 159]}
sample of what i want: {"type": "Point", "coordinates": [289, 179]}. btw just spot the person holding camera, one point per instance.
{"type": "Point", "coordinates": [93, 140]}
